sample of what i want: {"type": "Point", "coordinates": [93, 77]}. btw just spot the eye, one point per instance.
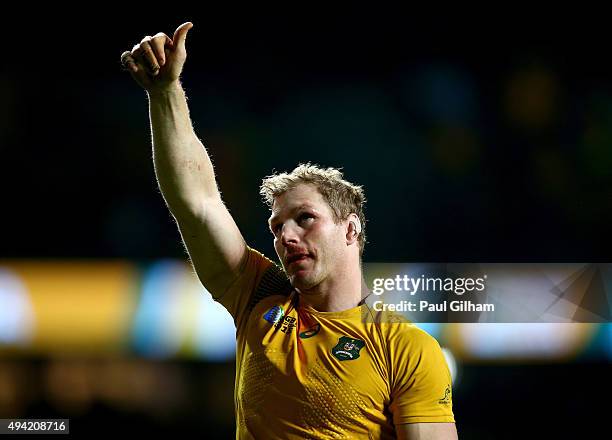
{"type": "Point", "coordinates": [276, 228]}
{"type": "Point", "coordinates": [304, 217]}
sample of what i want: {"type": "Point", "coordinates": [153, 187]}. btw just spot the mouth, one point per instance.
{"type": "Point", "coordinates": [296, 258]}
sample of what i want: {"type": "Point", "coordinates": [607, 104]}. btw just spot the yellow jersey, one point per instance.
{"type": "Point", "coordinates": [305, 374]}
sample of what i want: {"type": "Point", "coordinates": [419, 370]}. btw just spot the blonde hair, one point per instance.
{"type": "Point", "coordinates": [342, 196]}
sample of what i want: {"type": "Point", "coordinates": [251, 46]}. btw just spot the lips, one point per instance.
{"type": "Point", "coordinates": [295, 258]}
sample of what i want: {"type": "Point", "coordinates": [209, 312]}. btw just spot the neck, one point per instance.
{"type": "Point", "coordinates": [344, 291]}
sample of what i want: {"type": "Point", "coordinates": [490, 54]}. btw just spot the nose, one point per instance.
{"type": "Point", "coordinates": [289, 235]}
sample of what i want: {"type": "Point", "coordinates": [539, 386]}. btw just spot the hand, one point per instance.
{"type": "Point", "coordinates": [157, 62]}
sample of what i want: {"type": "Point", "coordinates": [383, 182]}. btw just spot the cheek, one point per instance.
{"type": "Point", "coordinates": [326, 240]}
{"type": "Point", "coordinates": [277, 247]}
{"type": "Point", "coordinates": [314, 236]}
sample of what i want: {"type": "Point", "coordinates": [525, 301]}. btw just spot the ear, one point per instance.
{"type": "Point", "coordinates": [353, 229]}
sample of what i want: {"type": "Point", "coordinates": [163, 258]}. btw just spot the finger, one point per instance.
{"type": "Point", "coordinates": [158, 44]}
{"type": "Point", "coordinates": [148, 56]}
{"type": "Point", "coordinates": [128, 63]}
{"type": "Point", "coordinates": [137, 56]}
{"type": "Point", "coordinates": [136, 69]}
{"type": "Point", "coordinates": [142, 64]}
{"type": "Point", "coordinates": [180, 35]}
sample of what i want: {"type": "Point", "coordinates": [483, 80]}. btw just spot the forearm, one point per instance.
{"type": "Point", "coordinates": [183, 168]}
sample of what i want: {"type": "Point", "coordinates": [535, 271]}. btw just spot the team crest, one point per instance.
{"type": "Point", "coordinates": [274, 315]}
{"type": "Point", "coordinates": [347, 348]}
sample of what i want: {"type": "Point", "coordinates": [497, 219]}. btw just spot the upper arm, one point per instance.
{"type": "Point", "coordinates": [426, 431]}
{"type": "Point", "coordinates": [215, 245]}
{"type": "Point", "coordinates": [421, 389]}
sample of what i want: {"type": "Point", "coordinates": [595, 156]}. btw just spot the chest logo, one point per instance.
{"type": "Point", "coordinates": [347, 348]}
{"type": "Point", "coordinates": [312, 331]}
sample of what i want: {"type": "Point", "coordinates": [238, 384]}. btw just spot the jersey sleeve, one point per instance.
{"type": "Point", "coordinates": [421, 389]}
{"type": "Point", "coordinates": [259, 277]}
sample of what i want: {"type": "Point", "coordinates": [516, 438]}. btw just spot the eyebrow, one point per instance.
{"type": "Point", "coordinates": [273, 219]}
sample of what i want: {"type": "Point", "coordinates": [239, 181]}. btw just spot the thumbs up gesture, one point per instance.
{"type": "Point", "coordinates": [157, 62]}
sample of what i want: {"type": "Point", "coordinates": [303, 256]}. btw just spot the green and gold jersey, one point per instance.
{"type": "Point", "coordinates": [304, 374]}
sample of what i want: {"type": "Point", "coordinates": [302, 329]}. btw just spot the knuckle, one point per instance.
{"type": "Point", "coordinates": [157, 43]}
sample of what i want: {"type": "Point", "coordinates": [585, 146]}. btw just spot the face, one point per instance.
{"type": "Point", "coordinates": [307, 241]}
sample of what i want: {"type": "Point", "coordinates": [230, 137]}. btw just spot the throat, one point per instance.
{"type": "Point", "coordinates": [331, 301]}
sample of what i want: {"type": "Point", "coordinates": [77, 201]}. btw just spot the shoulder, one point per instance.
{"type": "Point", "coordinates": [408, 335]}
{"type": "Point", "coordinates": [400, 334]}
{"type": "Point", "coordinates": [398, 328]}
{"type": "Point", "coordinates": [271, 279]}
{"type": "Point", "coordinates": [258, 278]}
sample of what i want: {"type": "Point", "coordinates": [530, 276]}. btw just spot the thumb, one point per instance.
{"type": "Point", "coordinates": [180, 35]}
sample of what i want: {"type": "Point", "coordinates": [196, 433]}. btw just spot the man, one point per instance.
{"type": "Point", "coordinates": [313, 360]}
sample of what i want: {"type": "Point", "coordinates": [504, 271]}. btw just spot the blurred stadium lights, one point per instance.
{"type": "Point", "coordinates": [433, 328]}
{"type": "Point", "coordinates": [452, 366]}
{"type": "Point", "coordinates": [176, 315]}
{"type": "Point", "coordinates": [77, 307]}
{"type": "Point", "coordinates": [15, 310]}
{"type": "Point", "coordinates": [520, 341]}
{"type": "Point", "coordinates": [162, 311]}
{"type": "Point", "coordinates": [607, 339]}
{"type": "Point", "coordinates": [81, 308]}
{"type": "Point", "coordinates": [215, 332]}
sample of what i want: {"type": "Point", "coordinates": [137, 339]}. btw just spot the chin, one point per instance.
{"type": "Point", "coordinates": [299, 282]}
{"type": "Point", "coordinates": [303, 282]}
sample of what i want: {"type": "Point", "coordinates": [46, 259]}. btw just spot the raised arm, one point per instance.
{"type": "Point", "coordinates": [183, 168]}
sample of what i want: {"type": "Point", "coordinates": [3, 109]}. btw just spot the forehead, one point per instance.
{"type": "Point", "coordinates": [303, 195]}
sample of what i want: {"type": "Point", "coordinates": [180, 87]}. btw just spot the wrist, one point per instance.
{"type": "Point", "coordinates": [170, 89]}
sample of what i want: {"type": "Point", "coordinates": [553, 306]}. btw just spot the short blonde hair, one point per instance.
{"type": "Point", "coordinates": [342, 196]}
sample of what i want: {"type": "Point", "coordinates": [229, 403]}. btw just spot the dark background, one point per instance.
{"type": "Point", "coordinates": [477, 139]}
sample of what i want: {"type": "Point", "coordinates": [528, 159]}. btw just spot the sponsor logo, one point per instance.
{"type": "Point", "coordinates": [347, 348]}
{"type": "Point", "coordinates": [286, 325]}
{"type": "Point", "coordinates": [312, 331]}
{"type": "Point", "coordinates": [447, 396]}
